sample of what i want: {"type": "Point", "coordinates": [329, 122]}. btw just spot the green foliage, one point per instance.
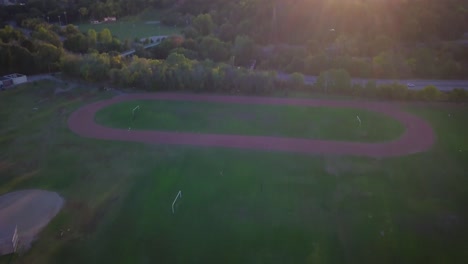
{"type": "Point", "coordinates": [42, 33]}
{"type": "Point", "coordinates": [8, 34]}
{"type": "Point", "coordinates": [77, 43]}
{"type": "Point", "coordinates": [92, 37]}
{"type": "Point", "coordinates": [105, 36]}
{"type": "Point", "coordinates": [336, 80]}
{"type": "Point", "coordinates": [393, 91]}
{"type": "Point", "coordinates": [32, 23]}
{"type": "Point", "coordinates": [47, 57]}
{"type": "Point", "coordinates": [430, 93]}
{"type": "Point", "coordinates": [14, 58]}
{"type": "Point", "coordinates": [189, 54]}
{"type": "Point", "coordinates": [71, 30]}
{"type": "Point", "coordinates": [203, 24]}
{"type": "Point", "coordinates": [227, 32]}
{"type": "Point", "coordinates": [162, 50]}
{"type": "Point", "coordinates": [458, 95]}
{"type": "Point", "coordinates": [91, 67]}
{"type": "Point", "coordinates": [244, 50]}
{"type": "Point", "coordinates": [190, 33]}
{"type": "Point", "coordinates": [214, 49]}
{"type": "Point", "coordinates": [297, 80]}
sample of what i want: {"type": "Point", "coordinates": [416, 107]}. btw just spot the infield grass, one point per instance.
{"type": "Point", "coordinates": [267, 120]}
{"type": "Point", "coordinates": [140, 26]}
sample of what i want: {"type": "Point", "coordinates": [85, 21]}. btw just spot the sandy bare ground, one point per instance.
{"type": "Point", "coordinates": [418, 136]}
{"type": "Point", "coordinates": [30, 211]}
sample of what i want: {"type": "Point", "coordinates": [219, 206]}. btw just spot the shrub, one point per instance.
{"type": "Point", "coordinates": [458, 95]}
{"type": "Point", "coordinates": [430, 93]}
{"type": "Point", "coordinates": [297, 80]}
{"type": "Point", "coordinates": [394, 91]}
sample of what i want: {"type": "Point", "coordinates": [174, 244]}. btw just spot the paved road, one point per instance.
{"type": "Point", "coordinates": [443, 85]}
{"type": "Point", "coordinates": [157, 40]}
{"type": "Point", "coordinates": [418, 136]}
{"type": "Point", "coordinates": [38, 77]}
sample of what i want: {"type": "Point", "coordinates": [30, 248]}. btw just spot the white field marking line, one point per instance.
{"type": "Point", "coordinates": [359, 119]}
{"type": "Point", "coordinates": [179, 194]}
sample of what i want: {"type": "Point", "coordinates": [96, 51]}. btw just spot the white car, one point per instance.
{"type": "Point", "coordinates": [410, 85]}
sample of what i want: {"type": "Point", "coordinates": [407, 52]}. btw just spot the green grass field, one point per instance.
{"type": "Point", "coordinates": [134, 27]}
{"type": "Point", "coordinates": [289, 121]}
{"type": "Point", "coordinates": [238, 206]}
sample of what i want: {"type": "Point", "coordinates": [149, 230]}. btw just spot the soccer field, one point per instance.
{"type": "Point", "coordinates": [131, 29]}
{"type": "Point", "coordinates": [237, 205]}
{"type": "Point", "coordinates": [262, 120]}
{"type": "Point", "coordinates": [141, 26]}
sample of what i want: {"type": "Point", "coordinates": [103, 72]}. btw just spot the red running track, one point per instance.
{"type": "Point", "coordinates": [418, 136]}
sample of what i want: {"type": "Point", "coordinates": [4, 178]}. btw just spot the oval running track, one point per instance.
{"type": "Point", "coordinates": [418, 136]}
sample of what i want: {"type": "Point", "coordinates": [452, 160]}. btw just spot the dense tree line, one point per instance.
{"type": "Point", "coordinates": [20, 53]}
{"type": "Point", "coordinates": [41, 49]}
{"type": "Point", "coordinates": [175, 73]}
{"type": "Point", "coordinates": [178, 73]}
{"type": "Point", "coordinates": [366, 22]}
{"type": "Point", "coordinates": [298, 21]}
{"type": "Point", "coordinates": [376, 39]}
{"type": "Point", "coordinates": [205, 40]}
{"type": "Point", "coordinates": [368, 38]}
{"type": "Point", "coordinates": [372, 39]}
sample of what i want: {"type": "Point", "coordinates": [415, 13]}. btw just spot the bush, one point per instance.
{"type": "Point", "coordinates": [458, 95]}
{"type": "Point", "coordinates": [394, 91]}
{"type": "Point", "coordinates": [430, 93]}
{"type": "Point", "coordinates": [335, 80]}
{"type": "Point", "coordinates": [297, 80]}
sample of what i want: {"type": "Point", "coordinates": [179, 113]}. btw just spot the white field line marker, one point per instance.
{"type": "Point", "coordinates": [179, 194]}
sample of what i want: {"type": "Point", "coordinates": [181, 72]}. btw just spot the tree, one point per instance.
{"type": "Point", "coordinates": [430, 93]}
{"type": "Point", "coordinates": [48, 36]}
{"type": "Point", "coordinates": [83, 12]}
{"type": "Point", "coordinates": [458, 95]}
{"type": "Point", "coordinates": [95, 67]}
{"type": "Point", "coordinates": [213, 48]}
{"type": "Point", "coordinates": [297, 80]}
{"type": "Point", "coordinates": [227, 32]}
{"type": "Point", "coordinates": [77, 43]}
{"type": "Point", "coordinates": [71, 30]}
{"type": "Point", "coordinates": [105, 36]}
{"type": "Point", "coordinates": [47, 57]}
{"type": "Point", "coordinates": [190, 33]}
{"type": "Point", "coordinates": [92, 38]}
{"type": "Point", "coordinates": [203, 24]}
{"type": "Point", "coordinates": [243, 50]}
{"type": "Point", "coordinates": [393, 91]}
{"type": "Point", "coordinates": [8, 33]}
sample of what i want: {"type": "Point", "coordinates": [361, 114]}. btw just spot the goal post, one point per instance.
{"type": "Point", "coordinates": [179, 195]}
{"type": "Point", "coordinates": [133, 112]}
{"type": "Point", "coordinates": [15, 240]}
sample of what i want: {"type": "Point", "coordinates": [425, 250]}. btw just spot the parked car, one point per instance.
{"type": "Point", "coordinates": [410, 85]}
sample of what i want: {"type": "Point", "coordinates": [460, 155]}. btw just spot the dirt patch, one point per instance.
{"type": "Point", "coordinates": [29, 211]}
